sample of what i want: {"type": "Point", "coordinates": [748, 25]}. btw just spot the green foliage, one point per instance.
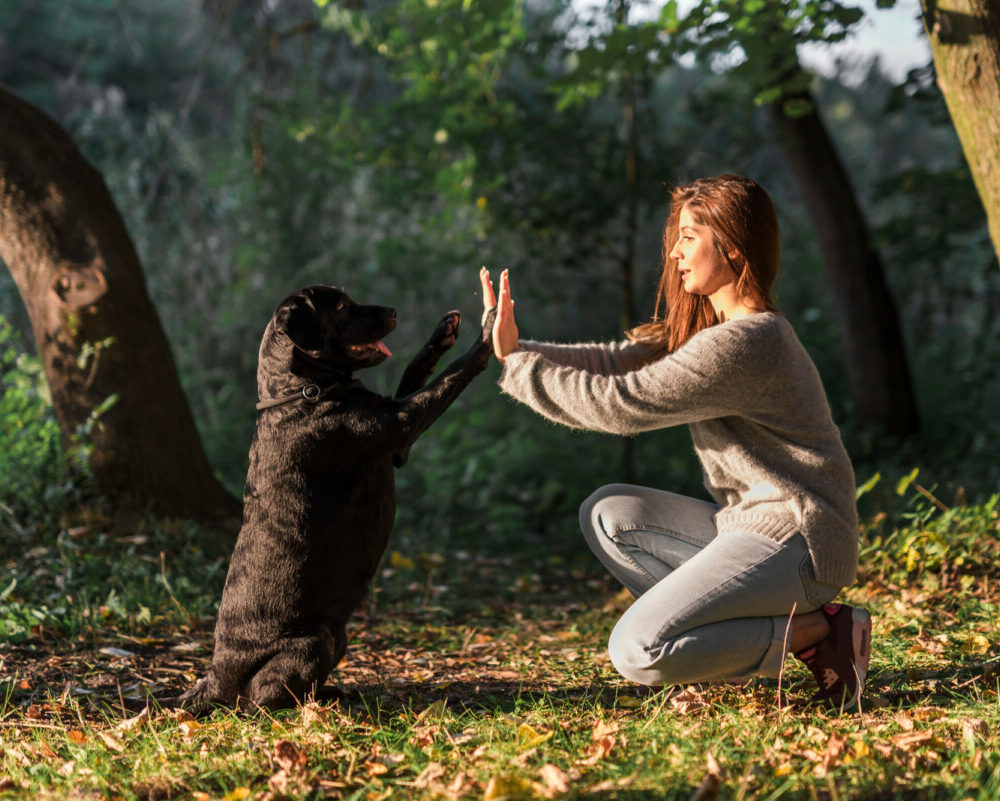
{"type": "Point", "coordinates": [763, 37]}
{"type": "Point", "coordinates": [38, 480]}
{"type": "Point", "coordinates": [18, 621]}
{"type": "Point", "coordinates": [916, 537]}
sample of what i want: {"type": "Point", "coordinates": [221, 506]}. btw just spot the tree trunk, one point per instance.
{"type": "Point", "coordinates": [965, 43]}
{"type": "Point", "coordinates": [877, 368]}
{"type": "Point", "coordinates": [627, 264]}
{"type": "Point", "coordinates": [97, 333]}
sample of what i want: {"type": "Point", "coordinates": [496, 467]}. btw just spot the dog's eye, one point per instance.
{"type": "Point", "coordinates": [341, 305]}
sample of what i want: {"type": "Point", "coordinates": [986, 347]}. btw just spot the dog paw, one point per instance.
{"type": "Point", "coordinates": [446, 333]}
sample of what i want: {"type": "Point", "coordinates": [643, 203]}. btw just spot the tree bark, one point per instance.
{"type": "Point", "coordinates": [965, 44]}
{"type": "Point", "coordinates": [877, 366]}
{"type": "Point", "coordinates": [97, 332]}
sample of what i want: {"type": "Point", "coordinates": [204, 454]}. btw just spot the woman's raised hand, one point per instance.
{"type": "Point", "coordinates": [504, 329]}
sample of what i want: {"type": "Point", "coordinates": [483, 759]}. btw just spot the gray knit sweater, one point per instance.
{"type": "Point", "coordinates": [759, 419]}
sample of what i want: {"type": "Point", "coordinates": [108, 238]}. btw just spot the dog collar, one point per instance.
{"type": "Point", "coordinates": [310, 392]}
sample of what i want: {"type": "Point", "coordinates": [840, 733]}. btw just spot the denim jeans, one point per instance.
{"type": "Point", "coordinates": [708, 607]}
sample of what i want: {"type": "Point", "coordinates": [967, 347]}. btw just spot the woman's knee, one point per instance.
{"type": "Point", "coordinates": [598, 511]}
{"type": "Point", "coordinates": [632, 659]}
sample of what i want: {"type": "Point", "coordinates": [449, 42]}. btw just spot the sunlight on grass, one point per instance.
{"type": "Point", "coordinates": [483, 674]}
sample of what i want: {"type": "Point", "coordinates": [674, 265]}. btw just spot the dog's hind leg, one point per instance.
{"type": "Point", "coordinates": [200, 700]}
{"type": "Point", "coordinates": [290, 675]}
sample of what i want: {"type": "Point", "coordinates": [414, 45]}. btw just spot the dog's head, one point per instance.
{"type": "Point", "coordinates": [319, 333]}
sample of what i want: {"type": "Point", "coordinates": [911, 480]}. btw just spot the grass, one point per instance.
{"type": "Point", "coordinates": [479, 672]}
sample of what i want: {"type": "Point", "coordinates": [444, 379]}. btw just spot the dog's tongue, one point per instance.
{"type": "Point", "coordinates": [381, 346]}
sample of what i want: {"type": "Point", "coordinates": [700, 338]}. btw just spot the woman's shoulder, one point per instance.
{"type": "Point", "coordinates": [761, 329]}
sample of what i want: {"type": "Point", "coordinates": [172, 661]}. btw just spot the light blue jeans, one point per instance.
{"type": "Point", "coordinates": [708, 607]}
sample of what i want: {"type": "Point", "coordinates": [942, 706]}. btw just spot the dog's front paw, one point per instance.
{"type": "Point", "coordinates": [446, 333]}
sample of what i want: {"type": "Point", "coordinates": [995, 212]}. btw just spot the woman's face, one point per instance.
{"type": "Point", "coordinates": [703, 269]}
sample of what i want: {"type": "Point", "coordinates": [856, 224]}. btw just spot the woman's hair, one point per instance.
{"type": "Point", "coordinates": [744, 227]}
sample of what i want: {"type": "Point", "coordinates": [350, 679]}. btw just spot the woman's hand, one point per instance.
{"type": "Point", "coordinates": [505, 329]}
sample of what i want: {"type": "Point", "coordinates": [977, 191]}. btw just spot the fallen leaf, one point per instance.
{"type": "Point", "coordinates": [289, 756]}
{"type": "Point", "coordinates": [832, 757]}
{"type": "Point", "coordinates": [457, 786]}
{"type": "Point", "coordinates": [237, 794]}
{"type": "Point", "coordinates": [396, 559]}
{"type": "Point", "coordinates": [973, 726]}
{"type": "Point", "coordinates": [688, 700]}
{"type": "Point", "coordinates": [133, 722]}
{"type": "Point", "coordinates": [883, 748]}
{"type": "Point", "coordinates": [502, 786]}
{"type": "Point", "coordinates": [47, 752]}
{"type": "Point", "coordinates": [375, 769]}
{"type": "Point", "coordinates": [314, 713]}
{"type": "Point", "coordinates": [77, 736]}
{"type": "Point", "coordinates": [930, 645]}
{"type": "Point", "coordinates": [554, 781]}
{"type": "Point", "coordinates": [111, 742]}
{"type": "Point", "coordinates": [423, 736]}
{"type": "Point", "coordinates": [909, 741]}
{"type": "Point", "coordinates": [629, 702]}
{"type": "Point", "coordinates": [602, 740]}
{"type": "Point", "coordinates": [976, 644]}
{"type": "Point", "coordinates": [708, 790]}
{"type": "Point", "coordinates": [119, 653]}
{"type": "Point", "coordinates": [429, 775]}
{"type": "Point", "coordinates": [528, 737]}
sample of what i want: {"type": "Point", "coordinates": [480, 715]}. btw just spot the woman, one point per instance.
{"type": "Point", "coordinates": [724, 590]}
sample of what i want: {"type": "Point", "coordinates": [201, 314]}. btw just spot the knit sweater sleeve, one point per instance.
{"type": "Point", "coordinates": [605, 359]}
{"type": "Point", "coordinates": [706, 378]}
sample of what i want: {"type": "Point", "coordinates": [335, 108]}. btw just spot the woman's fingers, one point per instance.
{"type": "Point", "coordinates": [505, 330]}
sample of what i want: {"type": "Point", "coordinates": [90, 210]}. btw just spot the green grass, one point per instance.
{"type": "Point", "coordinates": [479, 671]}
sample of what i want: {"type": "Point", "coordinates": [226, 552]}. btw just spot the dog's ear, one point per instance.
{"type": "Point", "coordinates": [298, 319]}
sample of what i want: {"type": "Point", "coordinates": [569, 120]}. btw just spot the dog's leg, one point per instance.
{"type": "Point", "coordinates": [420, 368]}
{"type": "Point", "coordinates": [400, 421]}
{"type": "Point", "coordinates": [293, 673]}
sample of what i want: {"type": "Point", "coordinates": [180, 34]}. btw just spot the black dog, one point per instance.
{"type": "Point", "coordinates": [319, 500]}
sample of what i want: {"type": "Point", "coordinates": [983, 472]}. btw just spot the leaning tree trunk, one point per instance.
{"type": "Point", "coordinates": [97, 332]}
{"type": "Point", "coordinates": [965, 43]}
{"type": "Point", "coordinates": [876, 358]}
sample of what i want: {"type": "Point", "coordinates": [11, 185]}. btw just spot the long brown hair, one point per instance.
{"type": "Point", "coordinates": [744, 228]}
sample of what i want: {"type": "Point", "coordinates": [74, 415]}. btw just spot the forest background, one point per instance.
{"type": "Point", "coordinates": [257, 148]}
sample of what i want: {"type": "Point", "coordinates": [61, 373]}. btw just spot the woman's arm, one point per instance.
{"type": "Point", "coordinates": [612, 358]}
{"type": "Point", "coordinates": [715, 374]}
{"type": "Point", "coordinates": [609, 359]}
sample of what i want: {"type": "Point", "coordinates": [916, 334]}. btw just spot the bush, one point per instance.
{"type": "Point", "coordinates": [39, 479]}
